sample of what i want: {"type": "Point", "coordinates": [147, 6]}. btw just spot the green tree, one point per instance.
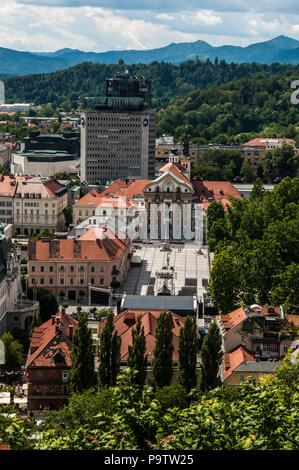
{"type": "Point", "coordinates": [188, 348]}
{"type": "Point", "coordinates": [162, 363]}
{"type": "Point", "coordinates": [47, 302]}
{"type": "Point", "coordinates": [109, 354]}
{"type": "Point", "coordinates": [215, 212]}
{"type": "Point", "coordinates": [137, 358]}
{"type": "Point", "coordinates": [68, 215]}
{"type": "Point", "coordinates": [224, 282]}
{"type": "Point", "coordinates": [172, 396]}
{"type": "Point", "coordinates": [13, 352]}
{"type": "Point", "coordinates": [82, 373]}
{"type": "Point", "coordinates": [257, 190]}
{"type": "Point", "coordinates": [286, 290]}
{"type": "Point", "coordinates": [36, 321]}
{"type": "Point", "coordinates": [247, 171]}
{"type": "Point", "coordinates": [211, 357]}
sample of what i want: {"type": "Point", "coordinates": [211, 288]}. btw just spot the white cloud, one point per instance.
{"type": "Point", "coordinates": [47, 25]}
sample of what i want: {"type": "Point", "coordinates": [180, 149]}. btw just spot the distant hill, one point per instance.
{"type": "Point", "coordinates": [281, 49]}
{"type": "Point", "coordinates": [68, 88]}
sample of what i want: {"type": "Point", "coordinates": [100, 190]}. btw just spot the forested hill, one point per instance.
{"type": "Point", "coordinates": [254, 104]}
{"type": "Point", "coordinates": [67, 88]}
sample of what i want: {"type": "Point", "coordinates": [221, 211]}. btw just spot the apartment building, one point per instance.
{"type": "Point", "coordinates": [94, 204]}
{"type": "Point", "coordinates": [49, 362]}
{"type": "Point", "coordinates": [68, 267]}
{"type": "Point", "coordinates": [38, 205]}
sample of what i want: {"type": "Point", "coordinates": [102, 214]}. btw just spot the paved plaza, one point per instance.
{"type": "Point", "coordinates": [190, 270]}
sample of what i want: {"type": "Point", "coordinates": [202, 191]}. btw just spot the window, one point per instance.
{"type": "Point", "coordinates": [42, 269]}
{"type": "Point", "coordinates": [42, 281]}
{"type": "Point", "coordinates": [65, 376]}
{"type": "Point", "coordinates": [81, 269]}
{"type": "Point", "coordinates": [81, 281]}
{"type": "Point", "coordinates": [101, 281]}
{"type": "Point", "coordinates": [71, 280]}
{"type": "Point", "coordinates": [33, 269]}
{"type": "Point", "coordinates": [242, 377]}
{"type": "Point", "coordinates": [51, 280]}
{"type": "Point", "coordinates": [72, 269]}
{"type": "Point", "coordinates": [102, 269]}
{"type": "Point", "coordinates": [92, 269]}
{"type": "Point", "coordinates": [61, 281]}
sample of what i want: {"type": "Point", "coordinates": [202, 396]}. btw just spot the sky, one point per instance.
{"type": "Point", "coordinates": [102, 25]}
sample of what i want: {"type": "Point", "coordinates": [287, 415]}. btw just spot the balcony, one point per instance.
{"type": "Point", "coordinates": [26, 306]}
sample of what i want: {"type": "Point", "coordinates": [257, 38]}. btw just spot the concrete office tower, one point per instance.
{"type": "Point", "coordinates": [118, 136]}
{"type": "Point", "coordinates": [2, 92]}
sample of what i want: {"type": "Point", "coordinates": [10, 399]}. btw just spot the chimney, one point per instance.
{"type": "Point", "coordinates": [257, 357]}
{"type": "Point", "coordinates": [57, 320]}
{"type": "Point", "coordinates": [71, 331]}
{"type": "Point", "coordinates": [53, 319]}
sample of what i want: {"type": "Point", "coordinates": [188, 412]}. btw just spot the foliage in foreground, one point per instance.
{"type": "Point", "coordinates": [256, 416]}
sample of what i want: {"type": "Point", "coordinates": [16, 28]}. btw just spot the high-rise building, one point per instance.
{"type": "Point", "coordinates": [118, 136]}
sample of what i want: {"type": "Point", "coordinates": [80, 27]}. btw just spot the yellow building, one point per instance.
{"type": "Point", "coordinates": [38, 205]}
{"type": "Point", "coordinates": [239, 364]}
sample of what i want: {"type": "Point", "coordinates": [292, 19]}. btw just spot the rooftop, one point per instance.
{"type": "Point", "coordinates": [126, 320]}
{"type": "Point", "coordinates": [173, 303]}
{"type": "Point", "coordinates": [87, 247]}
{"type": "Point", "coordinates": [234, 359]}
{"type": "Point", "coordinates": [49, 339]}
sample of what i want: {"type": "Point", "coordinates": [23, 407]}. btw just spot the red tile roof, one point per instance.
{"type": "Point", "coordinates": [136, 187]}
{"type": "Point", "coordinates": [114, 188]}
{"type": "Point", "coordinates": [293, 319]}
{"type": "Point", "coordinates": [126, 320]}
{"type": "Point", "coordinates": [237, 316]}
{"type": "Point", "coordinates": [128, 191]}
{"type": "Point", "coordinates": [232, 319]}
{"type": "Point", "coordinates": [8, 185]}
{"type": "Point", "coordinates": [179, 166]}
{"type": "Point", "coordinates": [88, 247]}
{"type": "Point", "coordinates": [93, 197]}
{"type": "Point", "coordinates": [234, 358]}
{"type": "Point", "coordinates": [173, 168]}
{"type": "Point", "coordinates": [217, 190]}
{"type": "Point", "coordinates": [262, 141]}
{"type": "Point", "coordinates": [95, 200]}
{"type": "Point", "coordinates": [47, 341]}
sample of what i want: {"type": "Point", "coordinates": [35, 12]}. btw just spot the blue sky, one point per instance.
{"type": "Point", "coordinates": [101, 25]}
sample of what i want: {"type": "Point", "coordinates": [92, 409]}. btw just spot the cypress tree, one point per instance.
{"type": "Point", "coordinates": [82, 373]}
{"type": "Point", "coordinates": [137, 359]}
{"type": "Point", "coordinates": [109, 354]}
{"type": "Point", "coordinates": [36, 321]}
{"type": "Point", "coordinates": [211, 357]}
{"type": "Point", "coordinates": [162, 363]}
{"type": "Point", "coordinates": [187, 354]}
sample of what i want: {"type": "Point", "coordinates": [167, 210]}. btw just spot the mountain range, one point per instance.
{"type": "Point", "coordinates": [281, 49]}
